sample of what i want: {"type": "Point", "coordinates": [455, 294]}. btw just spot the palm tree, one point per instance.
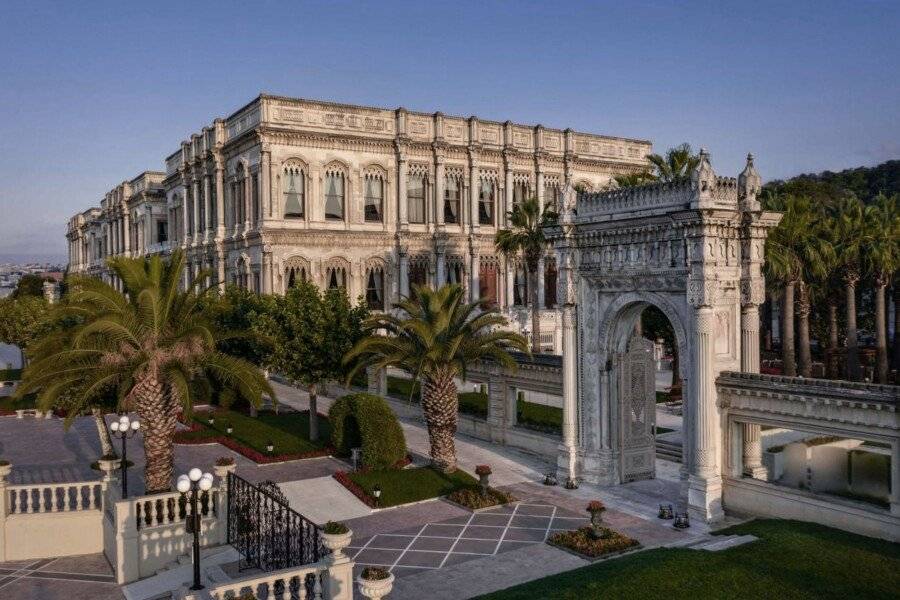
{"type": "Point", "coordinates": [436, 335]}
{"type": "Point", "coordinates": [851, 240]}
{"type": "Point", "coordinates": [526, 236]}
{"type": "Point", "coordinates": [676, 165]}
{"type": "Point", "coordinates": [882, 258]}
{"type": "Point", "coordinates": [795, 254]}
{"type": "Point", "coordinates": [633, 179]}
{"type": "Point", "coordinates": [152, 345]}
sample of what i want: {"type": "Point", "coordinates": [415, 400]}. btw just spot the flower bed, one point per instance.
{"type": "Point", "coordinates": [474, 499]}
{"type": "Point", "coordinates": [583, 542]}
{"type": "Point", "coordinates": [198, 434]}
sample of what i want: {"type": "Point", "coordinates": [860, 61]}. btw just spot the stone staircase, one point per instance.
{"type": "Point", "coordinates": [717, 543]}
{"type": "Point", "coordinates": [170, 582]}
{"type": "Point", "coordinates": [667, 450]}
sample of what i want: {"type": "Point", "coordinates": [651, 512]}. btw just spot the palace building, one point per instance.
{"type": "Point", "coordinates": [370, 199]}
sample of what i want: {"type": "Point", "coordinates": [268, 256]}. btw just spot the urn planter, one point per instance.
{"type": "Point", "coordinates": [336, 542]}
{"type": "Point", "coordinates": [375, 589]}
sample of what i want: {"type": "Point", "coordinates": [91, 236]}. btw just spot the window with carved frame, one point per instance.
{"type": "Point", "coordinates": [334, 196]}
{"type": "Point", "coordinates": [374, 198]}
{"type": "Point", "coordinates": [294, 186]}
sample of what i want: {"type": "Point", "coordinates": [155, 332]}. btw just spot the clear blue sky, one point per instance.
{"type": "Point", "coordinates": [92, 92]}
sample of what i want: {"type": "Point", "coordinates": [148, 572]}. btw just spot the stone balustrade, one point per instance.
{"type": "Point", "coordinates": [303, 582]}
{"type": "Point", "coordinates": [34, 498]}
{"type": "Point", "coordinates": [168, 508]}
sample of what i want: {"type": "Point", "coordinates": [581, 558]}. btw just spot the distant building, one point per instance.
{"type": "Point", "coordinates": [370, 199]}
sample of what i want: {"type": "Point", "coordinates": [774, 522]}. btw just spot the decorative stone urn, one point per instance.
{"type": "Point", "coordinates": [336, 542]}
{"type": "Point", "coordinates": [5, 470]}
{"type": "Point", "coordinates": [376, 588]}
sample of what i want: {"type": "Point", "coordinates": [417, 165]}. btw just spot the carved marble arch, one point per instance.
{"type": "Point", "coordinates": [336, 273]}
{"type": "Point", "coordinates": [375, 273]}
{"type": "Point", "coordinates": [296, 270]}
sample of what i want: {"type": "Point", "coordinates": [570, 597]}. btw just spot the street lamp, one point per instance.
{"type": "Point", "coordinates": [190, 486]}
{"type": "Point", "coordinates": [377, 493]}
{"type": "Point", "coordinates": [125, 428]}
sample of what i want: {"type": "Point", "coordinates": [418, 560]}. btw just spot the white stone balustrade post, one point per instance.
{"type": "Point", "coordinates": [5, 470]}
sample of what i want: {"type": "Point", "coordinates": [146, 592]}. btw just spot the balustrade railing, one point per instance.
{"type": "Point", "coordinates": [303, 583]}
{"type": "Point", "coordinates": [34, 498]}
{"type": "Point", "coordinates": [171, 507]}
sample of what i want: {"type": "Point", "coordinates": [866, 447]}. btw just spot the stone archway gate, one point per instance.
{"type": "Point", "coordinates": [693, 249]}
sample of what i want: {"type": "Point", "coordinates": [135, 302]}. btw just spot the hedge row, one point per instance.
{"type": "Point", "coordinates": [366, 421]}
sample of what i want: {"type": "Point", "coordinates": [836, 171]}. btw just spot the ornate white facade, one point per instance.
{"type": "Point", "coordinates": [372, 199]}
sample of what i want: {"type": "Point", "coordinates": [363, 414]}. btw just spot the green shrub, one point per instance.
{"type": "Point", "coordinates": [401, 387]}
{"type": "Point", "coordinates": [366, 421]}
{"type": "Point", "coordinates": [473, 403]}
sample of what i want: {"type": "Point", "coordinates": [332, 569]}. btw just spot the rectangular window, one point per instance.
{"type": "Point", "coordinates": [162, 232]}
{"type": "Point", "coordinates": [375, 290]}
{"type": "Point", "coordinates": [415, 199]}
{"type": "Point", "coordinates": [254, 198]}
{"type": "Point", "coordinates": [487, 284]}
{"type": "Point", "coordinates": [486, 203]}
{"type": "Point", "coordinates": [334, 197]}
{"type": "Point", "coordinates": [550, 284]}
{"type": "Point", "coordinates": [520, 192]}
{"type": "Point", "coordinates": [451, 200]}
{"type": "Point", "coordinates": [551, 196]}
{"type": "Point", "coordinates": [212, 206]}
{"type": "Point", "coordinates": [374, 199]}
{"type": "Point", "coordinates": [293, 194]}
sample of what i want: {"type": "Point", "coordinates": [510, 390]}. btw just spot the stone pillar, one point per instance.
{"type": "Point", "coordinates": [439, 192]}
{"type": "Point", "coordinates": [376, 382]}
{"type": "Point", "coordinates": [539, 281]}
{"type": "Point", "coordinates": [474, 275]}
{"type": "Point", "coordinates": [220, 268]}
{"type": "Point", "coordinates": [265, 274]}
{"type": "Point", "coordinates": [404, 272]}
{"type": "Point", "coordinates": [441, 262]}
{"type": "Point", "coordinates": [249, 217]}
{"type": "Point", "coordinates": [568, 450]}
{"type": "Point", "coordinates": [752, 448]}
{"type": "Point", "coordinates": [126, 225]}
{"type": "Point", "coordinates": [185, 232]}
{"type": "Point", "coordinates": [264, 185]}
{"type": "Point", "coordinates": [207, 206]}
{"type": "Point", "coordinates": [474, 189]}
{"type": "Point", "coordinates": [195, 194]}
{"type": "Point", "coordinates": [509, 273]}
{"type": "Point", "coordinates": [5, 470]}
{"type": "Point", "coordinates": [402, 204]}
{"type": "Point", "coordinates": [507, 197]}
{"type": "Point", "coordinates": [220, 199]}
{"type": "Point", "coordinates": [704, 481]}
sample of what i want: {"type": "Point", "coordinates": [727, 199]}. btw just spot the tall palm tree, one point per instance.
{"type": "Point", "coordinates": [633, 179]}
{"type": "Point", "coordinates": [435, 335]}
{"type": "Point", "coordinates": [676, 165]}
{"type": "Point", "coordinates": [794, 254]}
{"type": "Point", "coordinates": [882, 258]}
{"type": "Point", "coordinates": [152, 345]}
{"type": "Point", "coordinates": [526, 236]}
{"type": "Point", "coordinates": [851, 240]}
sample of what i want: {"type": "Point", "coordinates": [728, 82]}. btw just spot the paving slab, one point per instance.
{"type": "Point", "coordinates": [323, 499]}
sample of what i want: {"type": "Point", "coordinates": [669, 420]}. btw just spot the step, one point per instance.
{"type": "Point", "coordinates": [724, 542]}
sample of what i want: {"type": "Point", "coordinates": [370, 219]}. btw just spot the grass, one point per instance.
{"type": "Point", "coordinates": [288, 431]}
{"type": "Point", "coordinates": [7, 404]}
{"type": "Point", "coordinates": [540, 417]}
{"type": "Point", "coordinates": [792, 560]}
{"type": "Point", "coordinates": [400, 486]}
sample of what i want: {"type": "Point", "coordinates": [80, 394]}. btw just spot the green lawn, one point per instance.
{"type": "Point", "coordinates": [792, 560]}
{"type": "Point", "coordinates": [400, 486]}
{"type": "Point", "coordinates": [288, 431]}
{"type": "Point", "coordinates": [547, 419]}
{"type": "Point", "coordinates": [7, 403]}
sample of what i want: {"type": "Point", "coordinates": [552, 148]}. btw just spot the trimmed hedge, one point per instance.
{"type": "Point", "coordinates": [473, 403]}
{"type": "Point", "coordinates": [366, 421]}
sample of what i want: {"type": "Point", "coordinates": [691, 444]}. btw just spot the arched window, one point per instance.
{"type": "Point", "coordinates": [551, 194]}
{"type": "Point", "coordinates": [295, 276]}
{"type": "Point", "coordinates": [486, 202]}
{"type": "Point", "coordinates": [294, 184]}
{"type": "Point", "coordinates": [418, 272]}
{"type": "Point", "coordinates": [550, 283]}
{"type": "Point", "coordinates": [488, 270]}
{"type": "Point", "coordinates": [415, 198]}
{"type": "Point", "coordinates": [456, 272]}
{"type": "Point", "coordinates": [452, 195]}
{"type": "Point", "coordinates": [520, 192]}
{"type": "Point", "coordinates": [374, 207]}
{"type": "Point", "coordinates": [334, 196]}
{"type": "Point", "coordinates": [335, 277]}
{"type": "Point", "coordinates": [375, 288]}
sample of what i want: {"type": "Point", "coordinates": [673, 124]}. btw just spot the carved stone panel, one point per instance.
{"type": "Point", "coordinates": [637, 393]}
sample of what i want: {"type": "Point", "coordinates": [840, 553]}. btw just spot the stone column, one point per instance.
{"type": "Point", "coordinates": [752, 448]}
{"type": "Point", "coordinates": [568, 450]}
{"type": "Point", "coordinates": [220, 199]}
{"type": "Point", "coordinates": [439, 193]}
{"type": "Point", "coordinates": [198, 227]}
{"type": "Point", "coordinates": [5, 470]}
{"type": "Point", "coordinates": [510, 282]}
{"type": "Point", "coordinates": [474, 189]}
{"type": "Point", "coordinates": [126, 225]}
{"type": "Point", "coordinates": [185, 232]}
{"type": "Point", "coordinates": [220, 268]}
{"type": "Point", "coordinates": [402, 205]}
{"type": "Point", "coordinates": [704, 482]}
{"type": "Point", "coordinates": [207, 207]}
{"type": "Point", "coordinates": [474, 274]}
{"type": "Point", "coordinates": [264, 185]}
{"type": "Point", "coordinates": [265, 274]}
{"type": "Point", "coordinates": [507, 197]}
{"type": "Point", "coordinates": [404, 272]}
{"type": "Point", "coordinates": [249, 217]}
{"type": "Point", "coordinates": [376, 382]}
{"type": "Point", "coordinates": [441, 262]}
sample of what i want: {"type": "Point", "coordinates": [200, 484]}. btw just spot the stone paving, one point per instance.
{"type": "Point", "coordinates": [86, 577]}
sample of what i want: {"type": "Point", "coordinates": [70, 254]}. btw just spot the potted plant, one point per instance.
{"type": "Point", "coordinates": [484, 474]}
{"type": "Point", "coordinates": [336, 536]}
{"type": "Point", "coordinates": [5, 469]}
{"type": "Point", "coordinates": [223, 466]}
{"type": "Point", "coordinates": [596, 508]}
{"type": "Point", "coordinates": [375, 583]}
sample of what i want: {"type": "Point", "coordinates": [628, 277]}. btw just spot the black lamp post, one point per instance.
{"type": "Point", "coordinates": [190, 486]}
{"type": "Point", "coordinates": [124, 428]}
{"type": "Point", "coordinates": [376, 491]}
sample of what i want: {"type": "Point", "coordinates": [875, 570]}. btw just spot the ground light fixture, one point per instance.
{"type": "Point", "coordinates": [666, 512]}
{"type": "Point", "coordinates": [270, 446]}
{"type": "Point", "coordinates": [376, 492]}
{"type": "Point", "coordinates": [229, 429]}
{"type": "Point", "coordinates": [125, 428]}
{"type": "Point", "coordinates": [190, 486]}
{"type": "Point", "coordinates": [682, 521]}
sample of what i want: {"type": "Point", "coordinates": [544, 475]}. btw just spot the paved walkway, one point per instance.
{"type": "Point", "coordinates": [86, 577]}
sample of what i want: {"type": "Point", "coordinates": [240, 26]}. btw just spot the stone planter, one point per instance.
{"type": "Point", "coordinates": [20, 413]}
{"type": "Point", "coordinates": [48, 414]}
{"type": "Point", "coordinates": [376, 588]}
{"type": "Point", "coordinates": [336, 542]}
{"type": "Point", "coordinates": [38, 414]}
{"type": "Point", "coordinates": [5, 470]}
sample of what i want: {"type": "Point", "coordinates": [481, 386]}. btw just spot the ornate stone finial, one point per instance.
{"type": "Point", "coordinates": [703, 177]}
{"type": "Point", "coordinates": [749, 185]}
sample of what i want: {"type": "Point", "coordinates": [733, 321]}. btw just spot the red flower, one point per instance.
{"type": "Point", "coordinates": [595, 506]}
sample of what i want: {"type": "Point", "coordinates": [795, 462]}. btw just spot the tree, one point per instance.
{"type": "Point", "coordinates": [151, 345]}
{"type": "Point", "coordinates": [22, 319]}
{"type": "Point", "coordinates": [238, 309]}
{"type": "Point", "coordinates": [310, 333]}
{"type": "Point", "coordinates": [435, 336]}
{"type": "Point", "coordinates": [882, 258]}
{"type": "Point", "coordinates": [526, 237]}
{"type": "Point", "coordinates": [29, 285]}
{"type": "Point", "coordinates": [633, 179]}
{"type": "Point", "coordinates": [851, 240]}
{"type": "Point", "coordinates": [676, 165]}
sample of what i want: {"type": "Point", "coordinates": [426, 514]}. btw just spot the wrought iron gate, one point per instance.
{"type": "Point", "coordinates": [268, 533]}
